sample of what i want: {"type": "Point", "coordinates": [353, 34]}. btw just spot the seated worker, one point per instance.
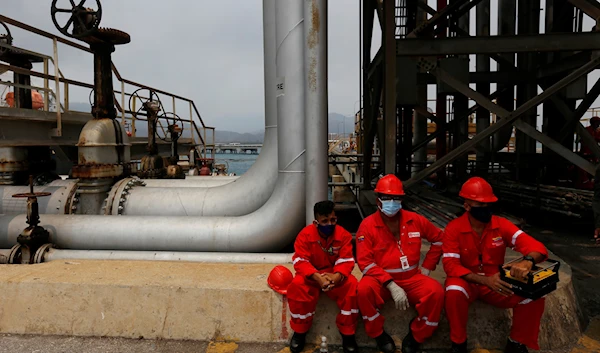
{"type": "Point", "coordinates": [474, 248]}
{"type": "Point", "coordinates": [388, 250]}
{"type": "Point", "coordinates": [323, 262]}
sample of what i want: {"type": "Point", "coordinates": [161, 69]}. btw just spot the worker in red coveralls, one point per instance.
{"type": "Point", "coordinates": [592, 129]}
{"type": "Point", "coordinates": [388, 250]}
{"type": "Point", "coordinates": [474, 248]}
{"type": "Point", "coordinates": [323, 262]}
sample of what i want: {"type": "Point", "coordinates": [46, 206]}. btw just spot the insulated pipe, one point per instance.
{"type": "Point", "coordinates": [58, 203]}
{"type": "Point", "coordinates": [211, 257]}
{"type": "Point", "coordinates": [252, 189]}
{"type": "Point", "coordinates": [315, 60]}
{"type": "Point", "coordinates": [270, 228]}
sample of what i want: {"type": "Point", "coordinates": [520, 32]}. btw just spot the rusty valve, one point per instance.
{"type": "Point", "coordinates": [32, 237]}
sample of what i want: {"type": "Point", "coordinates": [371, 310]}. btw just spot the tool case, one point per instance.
{"type": "Point", "coordinates": [542, 279]}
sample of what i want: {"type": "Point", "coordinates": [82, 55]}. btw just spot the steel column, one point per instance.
{"type": "Point", "coordinates": [483, 64]}
{"type": "Point", "coordinates": [389, 90]}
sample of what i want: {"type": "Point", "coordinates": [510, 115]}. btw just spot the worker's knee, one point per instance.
{"type": "Point", "coordinates": [367, 286]}
{"type": "Point", "coordinates": [456, 292]}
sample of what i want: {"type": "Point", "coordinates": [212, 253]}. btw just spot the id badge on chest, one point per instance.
{"type": "Point", "coordinates": [404, 262]}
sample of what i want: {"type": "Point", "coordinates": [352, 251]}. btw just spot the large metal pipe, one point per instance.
{"type": "Point", "coordinates": [252, 189]}
{"type": "Point", "coordinates": [315, 59]}
{"type": "Point", "coordinates": [270, 228]}
{"type": "Point", "coordinates": [58, 203]}
{"type": "Point", "coordinates": [198, 182]}
{"type": "Point", "coordinates": [212, 257]}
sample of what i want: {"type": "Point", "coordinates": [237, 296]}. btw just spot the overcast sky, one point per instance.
{"type": "Point", "coordinates": [209, 51]}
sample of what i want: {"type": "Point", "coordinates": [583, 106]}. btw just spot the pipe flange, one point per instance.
{"type": "Point", "coordinates": [14, 256]}
{"type": "Point", "coordinates": [115, 202]}
{"type": "Point", "coordinates": [38, 258]}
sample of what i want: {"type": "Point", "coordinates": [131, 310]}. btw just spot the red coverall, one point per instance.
{"type": "Point", "coordinates": [378, 254]}
{"type": "Point", "coordinates": [316, 254]}
{"type": "Point", "coordinates": [595, 134]}
{"type": "Point", "coordinates": [464, 253]}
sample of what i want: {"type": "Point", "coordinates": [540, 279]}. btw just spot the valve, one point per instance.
{"type": "Point", "coordinates": [82, 22]}
{"type": "Point", "coordinates": [5, 38]}
{"type": "Point", "coordinates": [34, 236]}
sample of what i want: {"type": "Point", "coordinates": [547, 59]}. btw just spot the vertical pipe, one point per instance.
{"type": "Point", "coordinates": [57, 87]}
{"type": "Point", "coordinates": [315, 61]}
{"type": "Point", "coordinates": [46, 86]}
{"type": "Point", "coordinates": [483, 65]}
{"type": "Point", "coordinates": [420, 122]}
{"type": "Point", "coordinates": [389, 101]}
{"type": "Point", "coordinates": [507, 14]}
{"type": "Point", "coordinates": [440, 112]}
{"type": "Point", "coordinates": [461, 105]}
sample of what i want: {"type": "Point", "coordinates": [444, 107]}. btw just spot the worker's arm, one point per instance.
{"type": "Point", "coordinates": [366, 258]}
{"type": "Point", "coordinates": [435, 236]}
{"type": "Point", "coordinates": [451, 254]}
{"type": "Point", "coordinates": [345, 262]}
{"type": "Point", "coordinates": [302, 256]}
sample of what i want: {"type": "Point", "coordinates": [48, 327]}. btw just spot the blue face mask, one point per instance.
{"type": "Point", "coordinates": [390, 207]}
{"type": "Point", "coordinates": [326, 230]}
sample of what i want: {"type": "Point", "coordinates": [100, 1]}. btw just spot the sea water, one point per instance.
{"type": "Point", "coordinates": [237, 163]}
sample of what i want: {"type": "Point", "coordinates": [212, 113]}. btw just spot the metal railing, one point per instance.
{"type": "Point", "coordinates": [202, 136]}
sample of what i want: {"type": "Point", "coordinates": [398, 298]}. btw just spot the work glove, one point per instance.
{"type": "Point", "coordinates": [425, 271]}
{"type": "Point", "coordinates": [399, 296]}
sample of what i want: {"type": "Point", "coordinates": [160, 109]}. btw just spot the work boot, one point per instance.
{"type": "Point", "coordinates": [349, 344]}
{"type": "Point", "coordinates": [409, 344]}
{"type": "Point", "coordinates": [515, 347]}
{"type": "Point", "coordinates": [297, 342]}
{"type": "Point", "coordinates": [459, 347]}
{"type": "Point", "coordinates": [385, 343]}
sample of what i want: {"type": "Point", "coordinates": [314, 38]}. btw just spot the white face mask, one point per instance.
{"type": "Point", "coordinates": [390, 207]}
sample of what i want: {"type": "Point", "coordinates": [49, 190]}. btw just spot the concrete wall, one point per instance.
{"type": "Point", "coordinates": [171, 300]}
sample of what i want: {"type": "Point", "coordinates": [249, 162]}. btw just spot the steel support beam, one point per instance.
{"type": "Point", "coordinates": [525, 43]}
{"type": "Point", "coordinates": [482, 22]}
{"type": "Point", "coordinates": [589, 7]}
{"type": "Point", "coordinates": [438, 17]}
{"type": "Point", "coordinates": [583, 107]}
{"type": "Point", "coordinates": [508, 117]}
{"type": "Point", "coordinates": [389, 90]}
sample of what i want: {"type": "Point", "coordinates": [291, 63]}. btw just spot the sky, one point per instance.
{"type": "Point", "coordinates": [211, 52]}
{"type": "Point", "coordinates": [208, 51]}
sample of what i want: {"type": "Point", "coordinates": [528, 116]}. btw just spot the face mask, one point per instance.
{"type": "Point", "coordinates": [326, 230]}
{"type": "Point", "coordinates": [482, 214]}
{"type": "Point", "coordinates": [390, 207]}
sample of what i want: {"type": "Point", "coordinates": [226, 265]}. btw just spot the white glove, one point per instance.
{"type": "Point", "coordinates": [425, 271]}
{"type": "Point", "coordinates": [399, 296]}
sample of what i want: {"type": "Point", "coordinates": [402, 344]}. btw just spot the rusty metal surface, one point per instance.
{"type": "Point", "coordinates": [92, 171]}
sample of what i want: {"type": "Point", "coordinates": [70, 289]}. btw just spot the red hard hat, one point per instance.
{"type": "Point", "coordinates": [389, 185]}
{"type": "Point", "coordinates": [280, 278]}
{"type": "Point", "coordinates": [595, 119]}
{"type": "Point", "coordinates": [477, 189]}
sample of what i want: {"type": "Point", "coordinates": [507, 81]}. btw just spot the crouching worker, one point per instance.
{"type": "Point", "coordinates": [388, 250]}
{"type": "Point", "coordinates": [323, 262]}
{"type": "Point", "coordinates": [474, 248]}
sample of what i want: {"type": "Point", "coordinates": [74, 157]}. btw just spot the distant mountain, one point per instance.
{"type": "Point", "coordinates": [339, 123]}
{"type": "Point", "coordinates": [230, 136]}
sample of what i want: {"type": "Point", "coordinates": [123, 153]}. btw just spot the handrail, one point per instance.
{"type": "Point", "coordinates": [60, 78]}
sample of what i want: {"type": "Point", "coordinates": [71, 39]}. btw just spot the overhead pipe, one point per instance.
{"type": "Point", "coordinates": [315, 58]}
{"type": "Point", "coordinates": [211, 257]}
{"type": "Point", "coordinates": [270, 228]}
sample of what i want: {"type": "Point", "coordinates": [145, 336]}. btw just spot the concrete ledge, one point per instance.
{"type": "Point", "coordinates": [170, 300]}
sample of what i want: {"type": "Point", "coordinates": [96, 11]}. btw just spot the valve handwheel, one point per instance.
{"type": "Point", "coordinates": [173, 123]}
{"type": "Point", "coordinates": [5, 37]}
{"type": "Point", "coordinates": [83, 20]}
{"type": "Point", "coordinates": [143, 96]}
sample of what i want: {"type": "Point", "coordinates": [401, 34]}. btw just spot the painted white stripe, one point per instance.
{"type": "Point", "coordinates": [371, 318]}
{"type": "Point", "coordinates": [526, 301]}
{"type": "Point", "coordinates": [398, 270]}
{"type": "Point", "coordinates": [301, 316]}
{"type": "Point", "coordinates": [427, 322]}
{"type": "Point", "coordinates": [339, 261]}
{"type": "Point", "coordinates": [515, 236]}
{"type": "Point", "coordinates": [437, 243]}
{"type": "Point", "coordinates": [368, 268]}
{"type": "Point", "coordinates": [299, 259]}
{"type": "Point", "coordinates": [349, 312]}
{"type": "Point", "coordinates": [458, 288]}
{"type": "Point", "coordinates": [452, 254]}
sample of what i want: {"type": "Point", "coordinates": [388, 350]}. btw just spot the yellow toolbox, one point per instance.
{"type": "Point", "coordinates": [542, 279]}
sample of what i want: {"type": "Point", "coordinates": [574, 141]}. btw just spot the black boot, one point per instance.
{"type": "Point", "coordinates": [385, 343]}
{"type": "Point", "coordinates": [459, 348]}
{"type": "Point", "coordinates": [409, 344]}
{"type": "Point", "coordinates": [297, 342]}
{"type": "Point", "coordinates": [349, 344]}
{"type": "Point", "coordinates": [515, 347]}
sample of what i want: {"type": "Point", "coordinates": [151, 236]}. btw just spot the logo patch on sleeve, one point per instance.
{"type": "Point", "coordinates": [414, 234]}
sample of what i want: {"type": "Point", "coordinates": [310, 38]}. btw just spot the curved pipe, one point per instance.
{"type": "Point", "coordinates": [212, 257]}
{"type": "Point", "coordinates": [269, 228]}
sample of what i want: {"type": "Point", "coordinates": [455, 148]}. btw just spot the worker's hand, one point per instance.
{"type": "Point", "coordinates": [322, 281]}
{"type": "Point", "coordinates": [334, 278]}
{"type": "Point", "coordinates": [597, 235]}
{"type": "Point", "coordinates": [497, 285]}
{"type": "Point", "coordinates": [521, 269]}
{"type": "Point", "coordinates": [399, 296]}
{"type": "Point", "coordinates": [425, 271]}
